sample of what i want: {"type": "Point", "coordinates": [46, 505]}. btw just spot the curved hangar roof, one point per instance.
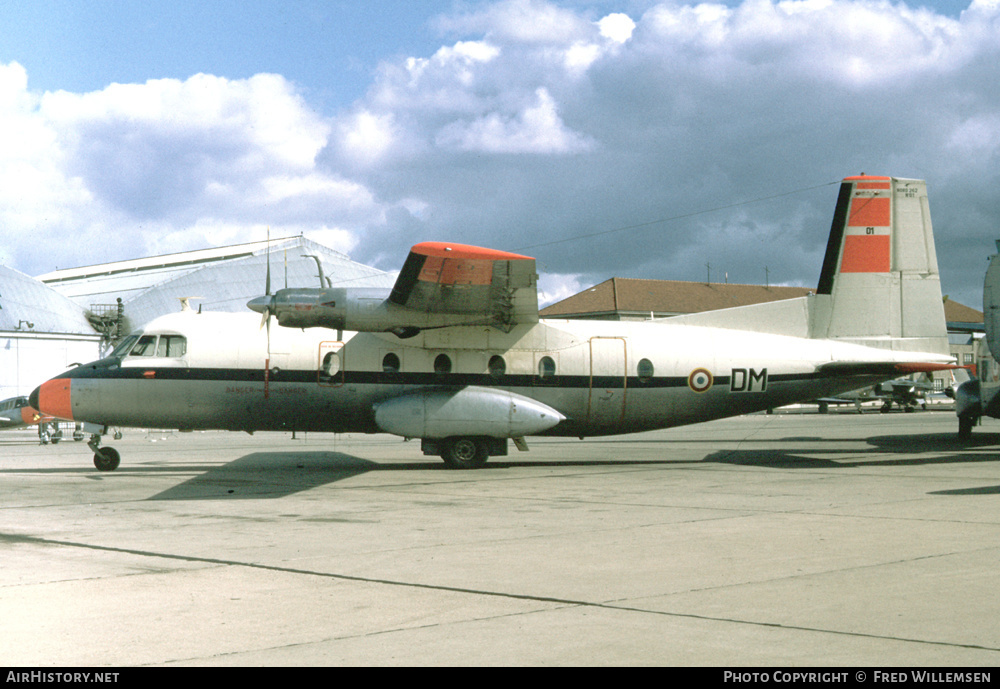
{"type": "Point", "coordinates": [27, 305]}
{"type": "Point", "coordinates": [221, 279]}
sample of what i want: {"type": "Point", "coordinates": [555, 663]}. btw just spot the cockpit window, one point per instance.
{"type": "Point", "coordinates": [146, 346]}
{"type": "Point", "coordinates": [166, 346]}
{"type": "Point", "coordinates": [121, 349]}
{"type": "Point", "coordinates": [172, 346]}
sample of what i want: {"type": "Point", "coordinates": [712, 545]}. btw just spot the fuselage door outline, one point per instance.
{"type": "Point", "coordinates": [608, 359]}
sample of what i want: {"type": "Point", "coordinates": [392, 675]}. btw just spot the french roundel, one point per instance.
{"type": "Point", "coordinates": [700, 380]}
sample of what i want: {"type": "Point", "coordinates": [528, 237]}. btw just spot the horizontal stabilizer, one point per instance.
{"type": "Point", "coordinates": [880, 368]}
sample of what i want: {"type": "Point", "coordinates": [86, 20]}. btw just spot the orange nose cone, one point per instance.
{"type": "Point", "coordinates": [53, 398]}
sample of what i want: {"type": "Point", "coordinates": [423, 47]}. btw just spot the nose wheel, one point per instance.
{"type": "Point", "coordinates": [105, 458]}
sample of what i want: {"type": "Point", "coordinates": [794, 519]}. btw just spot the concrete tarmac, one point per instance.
{"type": "Point", "coordinates": [792, 539]}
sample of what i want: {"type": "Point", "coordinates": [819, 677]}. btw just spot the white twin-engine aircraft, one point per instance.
{"type": "Point", "coordinates": [456, 355]}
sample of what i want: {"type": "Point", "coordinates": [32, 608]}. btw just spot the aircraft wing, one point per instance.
{"type": "Point", "coordinates": [444, 278]}
{"type": "Point", "coordinates": [440, 285]}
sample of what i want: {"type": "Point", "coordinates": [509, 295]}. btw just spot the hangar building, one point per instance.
{"type": "Point", "coordinates": [74, 315]}
{"type": "Point", "coordinates": [41, 333]}
{"type": "Point", "coordinates": [219, 279]}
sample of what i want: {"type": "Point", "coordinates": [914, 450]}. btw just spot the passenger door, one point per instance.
{"type": "Point", "coordinates": [607, 386]}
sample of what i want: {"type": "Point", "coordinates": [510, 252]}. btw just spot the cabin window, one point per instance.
{"type": "Point", "coordinates": [390, 363]}
{"type": "Point", "coordinates": [331, 364]}
{"type": "Point", "coordinates": [172, 346]}
{"type": "Point", "coordinates": [645, 370]}
{"type": "Point", "coordinates": [442, 364]}
{"type": "Point", "coordinates": [546, 367]}
{"type": "Point", "coordinates": [497, 366]}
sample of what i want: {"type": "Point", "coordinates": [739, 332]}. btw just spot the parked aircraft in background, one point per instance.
{"type": "Point", "coordinates": [905, 393]}
{"type": "Point", "coordinates": [16, 412]}
{"type": "Point", "coordinates": [456, 355]}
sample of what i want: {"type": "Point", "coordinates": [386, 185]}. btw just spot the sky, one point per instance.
{"type": "Point", "coordinates": [628, 138]}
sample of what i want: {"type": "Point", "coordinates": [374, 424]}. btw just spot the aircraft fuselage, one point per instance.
{"type": "Point", "coordinates": [601, 377]}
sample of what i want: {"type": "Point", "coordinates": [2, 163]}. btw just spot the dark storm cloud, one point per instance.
{"type": "Point", "coordinates": [688, 139]}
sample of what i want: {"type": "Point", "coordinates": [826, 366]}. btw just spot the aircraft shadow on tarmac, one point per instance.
{"type": "Point", "coordinates": [277, 474]}
{"type": "Point", "coordinates": [271, 475]}
{"type": "Point", "coordinates": [265, 475]}
{"type": "Point", "coordinates": [910, 450]}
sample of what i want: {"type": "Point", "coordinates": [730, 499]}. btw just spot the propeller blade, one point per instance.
{"type": "Point", "coordinates": [266, 321]}
{"type": "Point", "coordinates": [267, 281]}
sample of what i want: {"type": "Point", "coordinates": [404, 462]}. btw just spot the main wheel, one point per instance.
{"type": "Point", "coordinates": [965, 424]}
{"type": "Point", "coordinates": [465, 453]}
{"type": "Point", "coordinates": [107, 459]}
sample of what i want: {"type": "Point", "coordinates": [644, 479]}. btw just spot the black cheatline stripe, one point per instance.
{"type": "Point", "coordinates": [244, 375]}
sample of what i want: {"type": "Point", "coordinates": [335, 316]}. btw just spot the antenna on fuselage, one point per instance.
{"type": "Point", "coordinates": [186, 303]}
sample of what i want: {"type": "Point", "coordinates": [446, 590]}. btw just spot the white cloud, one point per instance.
{"type": "Point", "coordinates": [536, 129]}
{"type": "Point", "coordinates": [366, 136]}
{"type": "Point", "coordinates": [519, 22]}
{"type": "Point", "coordinates": [338, 238]}
{"type": "Point", "coordinates": [618, 27]}
{"type": "Point", "coordinates": [554, 288]}
{"type": "Point", "coordinates": [137, 168]}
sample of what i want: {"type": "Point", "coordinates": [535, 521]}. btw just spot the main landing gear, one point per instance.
{"type": "Point", "coordinates": [965, 424]}
{"type": "Point", "coordinates": [465, 453]}
{"type": "Point", "coordinates": [468, 452]}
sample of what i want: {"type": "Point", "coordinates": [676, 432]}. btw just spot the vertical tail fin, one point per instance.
{"type": "Point", "coordinates": [880, 284]}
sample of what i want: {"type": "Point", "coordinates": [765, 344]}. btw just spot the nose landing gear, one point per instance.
{"type": "Point", "coordinates": [106, 458]}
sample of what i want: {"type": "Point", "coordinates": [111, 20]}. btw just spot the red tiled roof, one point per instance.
{"type": "Point", "coordinates": [960, 313]}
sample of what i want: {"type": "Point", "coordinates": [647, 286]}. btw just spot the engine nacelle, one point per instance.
{"type": "Point", "coordinates": [338, 308]}
{"type": "Point", "coordinates": [357, 309]}
{"type": "Point", "coordinates": [471, 411]}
